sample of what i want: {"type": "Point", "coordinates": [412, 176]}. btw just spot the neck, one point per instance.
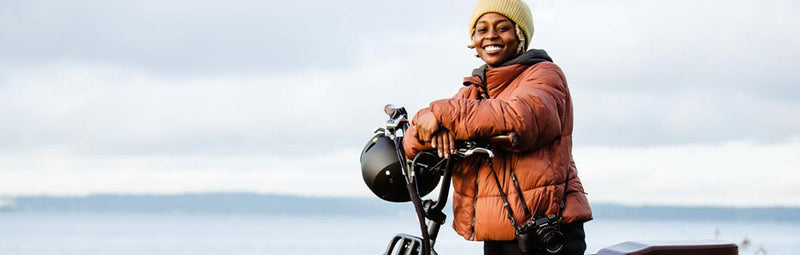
{"type": "Point", "coordinates": [502, 63]}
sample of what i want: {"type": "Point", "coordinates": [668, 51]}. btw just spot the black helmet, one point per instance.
{"type": "Point", "coordinates": [380, 168]}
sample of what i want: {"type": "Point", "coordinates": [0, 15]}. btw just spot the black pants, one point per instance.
{"type": "Point", "coordinates": [573, 233]}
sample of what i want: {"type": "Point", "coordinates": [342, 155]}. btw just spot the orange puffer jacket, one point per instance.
{"type": "Point", "coordinates": [533, 101]}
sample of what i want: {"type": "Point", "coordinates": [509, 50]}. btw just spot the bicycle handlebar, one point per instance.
{"type": "Point", "coordinates": [507, 141]}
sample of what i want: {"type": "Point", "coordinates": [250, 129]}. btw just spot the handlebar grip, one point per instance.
{"type": "Point", "coordinates": [507, 141]}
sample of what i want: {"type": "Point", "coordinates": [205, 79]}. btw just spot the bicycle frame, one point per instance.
{"type": "Point", "coordinates": [429, 212]}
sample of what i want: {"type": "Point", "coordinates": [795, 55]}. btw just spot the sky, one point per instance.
{"type": "Point", "coordinates": [676, 103]}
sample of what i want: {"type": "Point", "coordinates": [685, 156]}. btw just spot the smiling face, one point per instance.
{"type": "Point", "coordinates": [495, 39]}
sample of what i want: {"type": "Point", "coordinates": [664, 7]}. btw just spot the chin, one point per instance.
{"type": "Point", "coordinates": [492, 62]}
{"type": "Point", "coordinates": [498, 60]}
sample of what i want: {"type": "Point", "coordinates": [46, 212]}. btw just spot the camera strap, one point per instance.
{"type": "Point", "coordinates": [503, 196]}
{"type": "Point", "coordinates": [521, 196]}
{"type": "Point", "coordinates": [525, 208]}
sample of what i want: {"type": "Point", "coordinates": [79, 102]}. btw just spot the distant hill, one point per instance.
{"type": "Point", "coordinates": [203, 203]}
{"type": "Point", "coordinates": [333, 206]}
{"type": "Point", "coordinates": [696, 213]}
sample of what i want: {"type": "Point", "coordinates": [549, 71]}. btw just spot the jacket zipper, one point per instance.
{"type": "Point", "coordinates": [474, 206]}
{"type": "Point", "coordinates": [477, 170]}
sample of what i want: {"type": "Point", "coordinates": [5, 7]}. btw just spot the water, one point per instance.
{"type": "Point", "coordinates": [198, 234]}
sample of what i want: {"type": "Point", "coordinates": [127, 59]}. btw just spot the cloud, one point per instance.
{"type": "Point", "coordinates": [664, 74]}
{"type": "Point", "coordinates": [682, 72]}
{"type": "Point", "coordinates": [57, 171]}
{"type": "Point", "coordinates": [107, 109]}
{"type": "Point", "coordinates": [202, 37]}
{"type": "Point", "coordinates": [682, 116]}
{"type": "Point", "coordinates": [731, 174]}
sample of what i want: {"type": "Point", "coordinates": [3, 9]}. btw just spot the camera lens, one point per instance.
{"type": "Point", "coordinates": [553, 241]}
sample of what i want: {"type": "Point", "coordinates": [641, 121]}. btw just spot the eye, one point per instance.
{"type": "Point", "coordinates": [503, 28]}
{"type": "Point", "coordinates": [481, 30]}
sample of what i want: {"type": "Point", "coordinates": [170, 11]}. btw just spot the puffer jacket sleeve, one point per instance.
{"type": "Point", "coordinates": [535, 110]}
{"type": "Point", "coordinates": [411, 144]}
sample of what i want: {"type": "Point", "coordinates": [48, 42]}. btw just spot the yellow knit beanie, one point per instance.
{"type": "Point", "coordinates": [516, 10]}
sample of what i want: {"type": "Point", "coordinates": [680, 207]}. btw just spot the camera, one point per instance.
{"type": "Point", "coordinates": [541, 232]}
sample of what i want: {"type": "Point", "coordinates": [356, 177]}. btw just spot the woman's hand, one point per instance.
{"type": "Point", "coordinates": [444, 142]}
{"type": "Point", "coordinates": [426, 125]}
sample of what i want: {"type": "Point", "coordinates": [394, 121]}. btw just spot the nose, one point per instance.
{"type": "Point", "coordinates": [491, 34]}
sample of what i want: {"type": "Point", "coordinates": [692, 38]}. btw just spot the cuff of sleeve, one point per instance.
{"type": "Point", "coordinates": [444, 113]}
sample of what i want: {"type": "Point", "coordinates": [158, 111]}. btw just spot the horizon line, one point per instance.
{"type": "Point", "coordinates": [4, 199]}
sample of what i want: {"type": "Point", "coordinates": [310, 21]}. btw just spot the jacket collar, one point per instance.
{"type": "Point", "coordinates": [493, 80]}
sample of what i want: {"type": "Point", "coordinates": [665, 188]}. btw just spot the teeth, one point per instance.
{"type": "Point", "coordinates": [492, 48]}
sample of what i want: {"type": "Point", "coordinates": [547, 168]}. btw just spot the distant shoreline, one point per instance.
{"type": "Point", "coordinates": [298, 205]}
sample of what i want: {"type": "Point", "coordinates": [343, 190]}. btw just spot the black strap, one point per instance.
{"type": "Point", "coordinates": [502, 195]}
{"type": "Point", "coordinates": [519, 191]}
{"type": "Point", "coordinates": [521, 197]}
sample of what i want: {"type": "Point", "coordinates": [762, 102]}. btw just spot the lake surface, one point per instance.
{"type": "Point", "coordinates": [206, 233]}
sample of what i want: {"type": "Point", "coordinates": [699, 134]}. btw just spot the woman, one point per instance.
{"type": "Point", "coordinates": [517, 90]}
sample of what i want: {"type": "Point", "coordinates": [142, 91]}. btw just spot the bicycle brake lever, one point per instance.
{"type": "Point", "coordinates": [392, 124]}
{"type": "Point", "coordinates": [479, 150]}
